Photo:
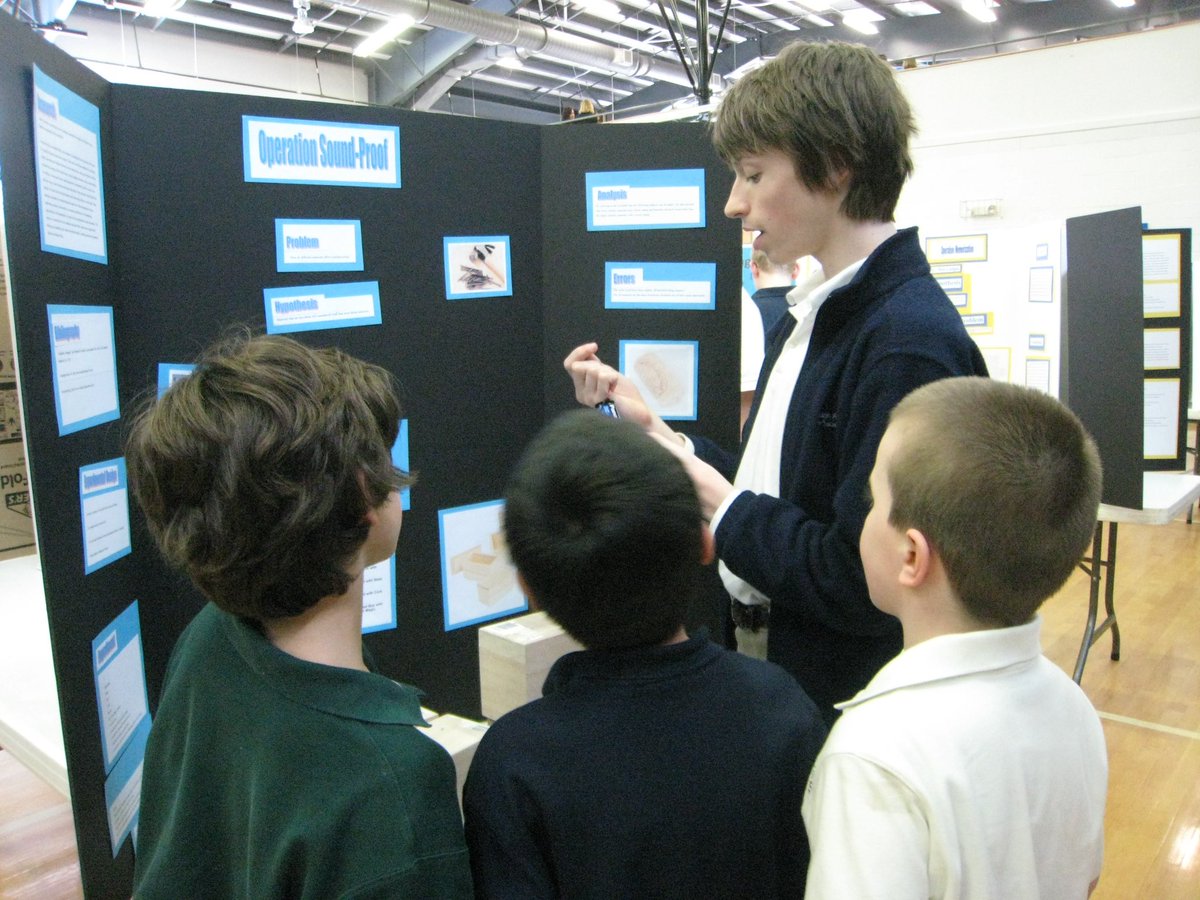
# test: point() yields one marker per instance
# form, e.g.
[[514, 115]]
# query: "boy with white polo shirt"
[[970, 766]]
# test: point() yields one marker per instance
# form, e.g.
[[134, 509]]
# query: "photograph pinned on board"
[[479, 581], [666, 373], [477, 267]]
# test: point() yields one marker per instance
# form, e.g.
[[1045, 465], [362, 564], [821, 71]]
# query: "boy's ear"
[[918, 559], [708, 545], [839, 180]]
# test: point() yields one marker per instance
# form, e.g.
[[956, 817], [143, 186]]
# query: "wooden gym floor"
[[1149, 702]]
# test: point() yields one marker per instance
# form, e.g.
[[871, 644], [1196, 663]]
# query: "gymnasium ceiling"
[[525, 60]]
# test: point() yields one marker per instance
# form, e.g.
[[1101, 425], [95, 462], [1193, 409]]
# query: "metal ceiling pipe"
[[467, 64], [534, 37]]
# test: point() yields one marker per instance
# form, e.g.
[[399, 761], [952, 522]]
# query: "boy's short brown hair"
[[830, 107], [256, 471], [1004, 482]]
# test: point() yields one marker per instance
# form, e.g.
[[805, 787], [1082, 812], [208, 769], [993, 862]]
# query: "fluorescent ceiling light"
[[983, 10], [604, 9], [916, 8], [818, 20], [862, 20], [1123, 4], [160, 8], [391, 30], [511, 62]]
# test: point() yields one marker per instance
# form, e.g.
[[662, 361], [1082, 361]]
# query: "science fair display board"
[[142, 222], [1101, 374]]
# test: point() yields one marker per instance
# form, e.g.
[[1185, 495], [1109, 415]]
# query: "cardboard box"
[[514, 658], [460, 737], [16, 512]]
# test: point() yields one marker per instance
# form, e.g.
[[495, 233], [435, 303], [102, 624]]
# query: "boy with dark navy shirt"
[[657, 764]]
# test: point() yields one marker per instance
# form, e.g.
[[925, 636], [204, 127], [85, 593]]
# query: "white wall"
[[1061, 132]]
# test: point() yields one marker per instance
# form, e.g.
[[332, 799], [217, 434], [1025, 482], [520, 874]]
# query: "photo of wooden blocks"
[[490, 570], [514, 658]]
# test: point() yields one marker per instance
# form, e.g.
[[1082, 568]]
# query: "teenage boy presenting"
[[278, 765], [970, 766], [818, 142], [656, 764]]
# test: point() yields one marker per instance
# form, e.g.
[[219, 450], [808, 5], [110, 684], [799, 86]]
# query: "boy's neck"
[[329, 632], [937, 615], [850, 241], [677, 638]]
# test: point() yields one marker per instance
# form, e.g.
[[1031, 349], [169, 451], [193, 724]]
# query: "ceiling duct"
[[531, 36]]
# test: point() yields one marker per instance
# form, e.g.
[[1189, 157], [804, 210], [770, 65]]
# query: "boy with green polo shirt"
[[279, 764]]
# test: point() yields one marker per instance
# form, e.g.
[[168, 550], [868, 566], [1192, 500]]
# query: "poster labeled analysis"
[[666, 372], [83, 363], [316, 307], [70, 179], [660, 285], [479, 582], [104, 506], [653, 198]]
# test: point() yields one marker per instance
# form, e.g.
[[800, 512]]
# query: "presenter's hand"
[[596, 381], [711, 486]]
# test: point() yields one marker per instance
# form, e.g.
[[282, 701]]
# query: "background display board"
[[193, 246]]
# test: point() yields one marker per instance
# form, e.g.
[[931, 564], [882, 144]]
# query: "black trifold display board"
[[192, 246], [1102, 344]]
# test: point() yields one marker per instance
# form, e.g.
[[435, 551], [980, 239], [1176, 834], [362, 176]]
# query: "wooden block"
[[514, 657], [459, 737]]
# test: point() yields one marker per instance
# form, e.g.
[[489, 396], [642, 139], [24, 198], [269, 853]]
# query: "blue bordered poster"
[[123, 790], [83, 364], [957, 248], [652, 198], [379, 596], [169, 373], [648, 285], [301, 151], [318, 245], [479, 583], [400, 461], [104, 509], [120, 677], [666, 372], [477, 266], [70, 175], [379, 580], [315, 307]]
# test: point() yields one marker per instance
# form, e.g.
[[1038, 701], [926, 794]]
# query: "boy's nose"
[[735, 206]]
